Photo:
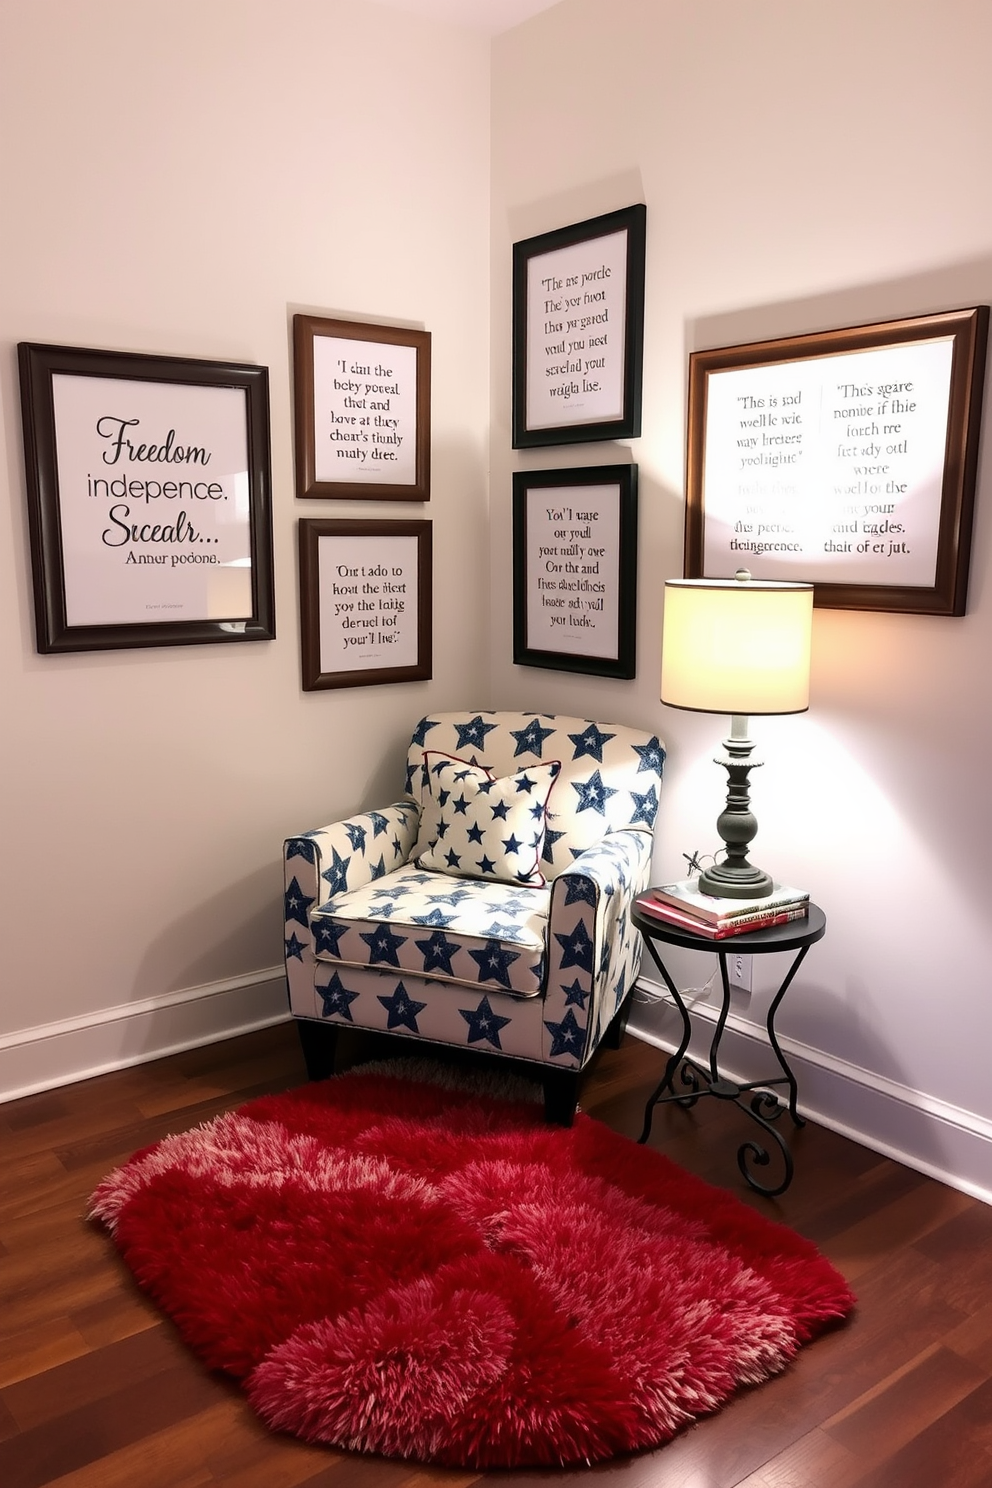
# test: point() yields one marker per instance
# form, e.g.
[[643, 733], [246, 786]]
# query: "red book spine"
[[675, 917]]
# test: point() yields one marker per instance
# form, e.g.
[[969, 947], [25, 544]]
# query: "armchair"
[[488, 907]]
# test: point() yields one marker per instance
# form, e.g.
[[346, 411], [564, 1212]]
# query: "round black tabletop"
[[788, 937]]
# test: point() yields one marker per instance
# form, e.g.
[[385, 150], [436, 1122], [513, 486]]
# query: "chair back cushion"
[[609, 780]]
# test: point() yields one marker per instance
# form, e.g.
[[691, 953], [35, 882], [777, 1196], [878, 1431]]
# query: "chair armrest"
[[593, 949], [345, 855], [349, 854]]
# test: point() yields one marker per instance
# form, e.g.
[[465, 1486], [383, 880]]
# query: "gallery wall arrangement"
[[578, 349]]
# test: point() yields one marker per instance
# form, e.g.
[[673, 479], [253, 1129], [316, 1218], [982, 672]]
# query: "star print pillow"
[[436, 792], [490, 828]]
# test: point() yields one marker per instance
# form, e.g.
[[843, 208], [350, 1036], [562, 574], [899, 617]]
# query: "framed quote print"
[[365, 602], [578, 331], [846, 458], [363, 410], [149, 499], [575, 569]]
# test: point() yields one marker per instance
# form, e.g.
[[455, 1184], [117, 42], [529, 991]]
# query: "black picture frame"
[[124, 519], [580, 583], [367, 387], [874, 502], [374, 604], [566, 389]]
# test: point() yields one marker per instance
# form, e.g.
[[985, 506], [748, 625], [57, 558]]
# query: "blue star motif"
[[576, 948], [575, 995], [473, 735], [452, 859], [442, 827], [484, 1024], [356, 836], [380, 823], [326, 936], [474, 833], [295, 947], [486, 865], [397, 847], [297, 904], [566, 1037], [512, 843], [437, 952], [411, 770], [336, 999], [301, 847], [420, 732], [461, 805], [336, 876], [378, 870], [579, 889], [524, 783], [500, 810], [494, 963], [383, 945], [590, 742], [645, 806], [434, 918], [495, 929], [593, 793], [652, 755], [402, 1009], [531, 739], [454, 897], [550, 838]]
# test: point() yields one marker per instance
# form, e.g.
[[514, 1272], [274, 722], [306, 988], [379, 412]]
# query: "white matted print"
[[574, 556], [149, 498], [153, 499], [365, 594], [578, 323], [362, 410], [844, 458]]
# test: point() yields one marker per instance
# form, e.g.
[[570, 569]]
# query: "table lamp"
[[739, 646]]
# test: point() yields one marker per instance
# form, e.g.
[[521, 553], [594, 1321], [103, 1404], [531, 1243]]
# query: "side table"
[[755, 1098]]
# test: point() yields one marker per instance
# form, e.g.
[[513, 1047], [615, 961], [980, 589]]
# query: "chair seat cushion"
[[473, 933]]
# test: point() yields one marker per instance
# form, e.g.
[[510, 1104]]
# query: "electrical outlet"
[[739, 971]]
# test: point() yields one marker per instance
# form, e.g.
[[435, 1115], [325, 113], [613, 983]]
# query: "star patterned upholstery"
[[529, 952]]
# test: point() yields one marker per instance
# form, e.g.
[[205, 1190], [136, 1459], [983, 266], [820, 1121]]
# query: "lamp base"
[[735, 877], [731, 881]]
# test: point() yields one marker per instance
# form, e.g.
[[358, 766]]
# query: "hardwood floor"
[[96, 1391]]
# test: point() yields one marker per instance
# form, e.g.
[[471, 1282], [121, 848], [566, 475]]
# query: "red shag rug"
[[393, 1263]]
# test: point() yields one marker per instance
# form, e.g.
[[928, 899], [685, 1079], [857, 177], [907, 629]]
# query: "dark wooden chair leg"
[[318, 1041], [561, 1092], [613, 1037]]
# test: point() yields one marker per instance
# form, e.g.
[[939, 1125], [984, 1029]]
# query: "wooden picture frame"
[[149, 499], [575, 569], [362, 410], [365, 602], [578, 331], [847, 458]]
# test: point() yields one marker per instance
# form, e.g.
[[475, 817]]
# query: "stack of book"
[[682, 904]]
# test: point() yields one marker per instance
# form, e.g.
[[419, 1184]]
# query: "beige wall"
[[177, 177], [805, 166]]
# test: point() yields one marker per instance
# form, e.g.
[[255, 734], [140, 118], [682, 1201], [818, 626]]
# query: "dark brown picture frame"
[[967, 330], [527, 354], [46, 461], [316, 592], [619, 568], [358, 438]]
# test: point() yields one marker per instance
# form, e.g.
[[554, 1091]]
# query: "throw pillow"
[[435, 792], [490, 828]]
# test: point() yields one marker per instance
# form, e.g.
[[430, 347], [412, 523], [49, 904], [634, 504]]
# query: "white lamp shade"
[[733, 647]]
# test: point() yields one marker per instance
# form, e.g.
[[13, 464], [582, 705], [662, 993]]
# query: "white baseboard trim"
[[929, 1135], [113, 1038]]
